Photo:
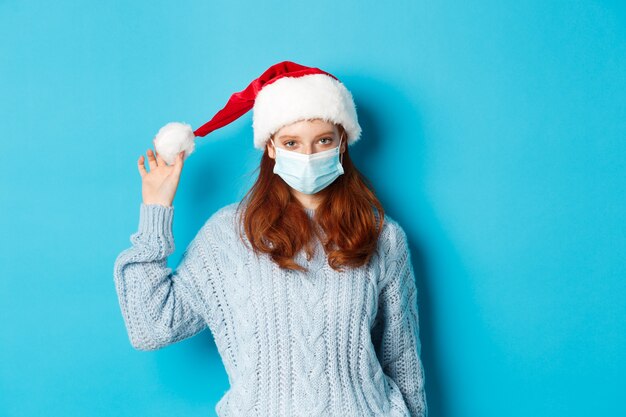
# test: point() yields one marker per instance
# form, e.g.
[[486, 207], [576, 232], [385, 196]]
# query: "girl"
[[306, 285]]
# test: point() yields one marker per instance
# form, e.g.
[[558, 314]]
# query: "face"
[[307, 137]]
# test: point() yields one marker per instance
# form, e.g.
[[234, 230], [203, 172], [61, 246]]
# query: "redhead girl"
[[306, 284]]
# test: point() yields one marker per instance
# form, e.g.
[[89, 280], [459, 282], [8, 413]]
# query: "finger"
[[151, 160], [160, 161], [180, 161], [141, 166]]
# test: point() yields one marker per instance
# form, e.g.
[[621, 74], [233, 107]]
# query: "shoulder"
[[394, 251], [223, 219], [225, 213], [223, 223], [392, 237]]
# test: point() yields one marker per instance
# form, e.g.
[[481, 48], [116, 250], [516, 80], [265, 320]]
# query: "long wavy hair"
[[348, 220]]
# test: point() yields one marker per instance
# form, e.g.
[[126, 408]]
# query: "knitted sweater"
[[316, 343]]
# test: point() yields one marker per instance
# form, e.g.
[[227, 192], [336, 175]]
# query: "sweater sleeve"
[[396, 330], [159, 306]]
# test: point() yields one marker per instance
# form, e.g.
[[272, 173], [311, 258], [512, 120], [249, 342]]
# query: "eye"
[[329, 140], [287, 144]]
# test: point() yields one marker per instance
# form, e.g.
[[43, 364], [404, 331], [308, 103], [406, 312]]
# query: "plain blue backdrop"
[[493, 131]]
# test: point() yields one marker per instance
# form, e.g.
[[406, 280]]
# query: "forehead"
[[306, 128]]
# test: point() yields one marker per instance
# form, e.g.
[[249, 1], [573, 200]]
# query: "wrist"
[[161, 203]]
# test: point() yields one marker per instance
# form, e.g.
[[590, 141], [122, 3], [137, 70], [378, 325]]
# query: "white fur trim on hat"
[[290, 99]]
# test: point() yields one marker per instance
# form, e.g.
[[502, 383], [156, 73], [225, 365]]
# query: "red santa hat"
[[285, 93]]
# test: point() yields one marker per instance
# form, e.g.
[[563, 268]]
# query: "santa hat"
[[285, 93]]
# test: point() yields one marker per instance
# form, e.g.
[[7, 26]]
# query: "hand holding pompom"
[[159, 185]]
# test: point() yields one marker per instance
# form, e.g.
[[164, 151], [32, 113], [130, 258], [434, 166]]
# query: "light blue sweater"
[[316, 343]]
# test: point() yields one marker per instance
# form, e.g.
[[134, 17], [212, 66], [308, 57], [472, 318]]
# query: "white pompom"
[[173, 138]]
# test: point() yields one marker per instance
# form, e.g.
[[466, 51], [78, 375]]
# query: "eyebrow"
[[296, 136]]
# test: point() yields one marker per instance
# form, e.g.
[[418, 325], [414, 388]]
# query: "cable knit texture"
[[315, 343]]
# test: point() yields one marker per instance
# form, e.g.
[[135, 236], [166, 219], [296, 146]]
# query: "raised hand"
[[159, 185]]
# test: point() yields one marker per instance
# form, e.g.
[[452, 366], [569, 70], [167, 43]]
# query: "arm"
[[396, 331], [159, 307]]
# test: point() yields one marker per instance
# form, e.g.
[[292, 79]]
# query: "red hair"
[[275, 222]]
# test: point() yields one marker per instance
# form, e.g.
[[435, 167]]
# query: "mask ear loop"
[[273, 146], [340, 153]]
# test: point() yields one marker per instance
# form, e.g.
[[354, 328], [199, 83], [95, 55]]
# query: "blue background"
[[494, 132]]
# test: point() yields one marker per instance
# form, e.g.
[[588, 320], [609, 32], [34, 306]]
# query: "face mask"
[[308, 173]]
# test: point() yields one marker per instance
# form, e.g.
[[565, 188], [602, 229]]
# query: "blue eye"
[[287, 143], [329, 140]]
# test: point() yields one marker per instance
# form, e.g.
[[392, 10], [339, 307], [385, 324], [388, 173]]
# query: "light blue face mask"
[[308, 173]]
